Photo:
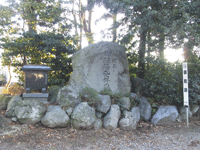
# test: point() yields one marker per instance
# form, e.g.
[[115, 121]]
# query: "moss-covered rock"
[[30, 111], [4, 101], [83, 116], [11, 106]]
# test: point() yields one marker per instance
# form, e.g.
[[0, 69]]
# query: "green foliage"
[[114, 96], [194, 79], [163, 82], [90, 96], [106, 91], [45, 48], [47, 40], [2, 79]]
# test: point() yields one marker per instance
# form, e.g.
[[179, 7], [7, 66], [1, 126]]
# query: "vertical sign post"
[[185, 89]]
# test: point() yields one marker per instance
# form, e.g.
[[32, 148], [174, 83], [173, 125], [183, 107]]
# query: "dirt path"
[[146, 136]]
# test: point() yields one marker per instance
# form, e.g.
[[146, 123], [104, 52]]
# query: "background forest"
[[50, 31]]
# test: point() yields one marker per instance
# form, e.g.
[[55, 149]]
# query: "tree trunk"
[[75, 20], [161, 45], [148, 50], [32, 17], [87, 27], [114, 27], [188, 47], [81, 25], [142, 49], [9, 79]]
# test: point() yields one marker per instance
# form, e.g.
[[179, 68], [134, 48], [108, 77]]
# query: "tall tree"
[[51, 46]]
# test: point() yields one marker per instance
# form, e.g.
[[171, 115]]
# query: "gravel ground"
[[145, 137]]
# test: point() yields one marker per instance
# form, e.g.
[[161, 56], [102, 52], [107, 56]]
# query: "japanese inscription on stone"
[[109, 65]]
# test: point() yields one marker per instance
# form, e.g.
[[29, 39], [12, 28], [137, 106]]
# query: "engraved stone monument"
[[98, 66], [36, 77]]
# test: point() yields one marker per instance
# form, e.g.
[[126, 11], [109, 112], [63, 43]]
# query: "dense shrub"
[[90, 96], [164, 84], [14, 89]]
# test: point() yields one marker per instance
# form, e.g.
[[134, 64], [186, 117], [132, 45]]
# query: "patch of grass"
[[90, 96], [114, 96]]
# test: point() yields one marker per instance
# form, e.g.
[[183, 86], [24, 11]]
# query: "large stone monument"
[[99, 66]]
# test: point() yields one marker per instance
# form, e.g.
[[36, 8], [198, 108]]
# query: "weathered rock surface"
[[98, 124], [68, 96], [133, 96], [4, 100], [128, 121], [112, 118], [182, 112], [99, 114], [69, 111], [98, 66], [136, 113], [4, 121], [165, 115], [11, 106], [145, 109], [30, 111], [124, 103], [83, 116], [104, 103], [55, 117], [194, 109], [6, 128]]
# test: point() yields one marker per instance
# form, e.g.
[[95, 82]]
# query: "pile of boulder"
[[104, 114], [102, 67]]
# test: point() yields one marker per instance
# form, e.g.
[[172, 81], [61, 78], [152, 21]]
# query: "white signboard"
[[185, 85]]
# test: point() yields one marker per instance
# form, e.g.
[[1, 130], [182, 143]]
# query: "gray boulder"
[[98, 124], [128, 121], [4, 121], [30, 111], [124, 103], [136, 113], [165, 115], [68, 96], [194, 109], [4, 100], [14, 119], [112, 118], [104, 103], [69, 111], [99, 114], [55, 117], [182, 112], [133, 96], [83, 116], [11, 106], [145, 109], [99, 66]]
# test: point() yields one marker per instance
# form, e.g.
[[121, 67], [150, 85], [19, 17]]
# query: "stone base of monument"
[[40, 96]]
